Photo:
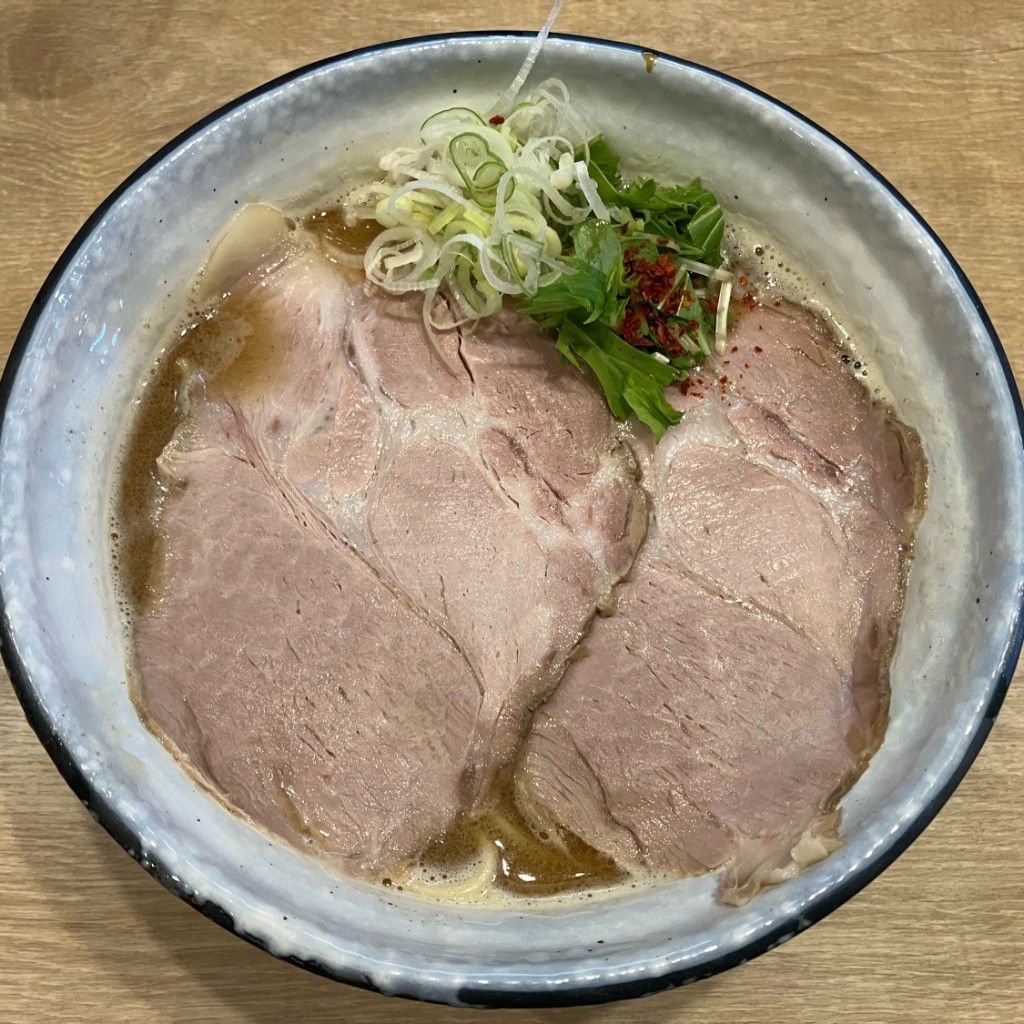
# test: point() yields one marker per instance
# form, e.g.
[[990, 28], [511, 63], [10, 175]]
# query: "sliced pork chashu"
[[262, 662], [736, 692], [403, 527], [503, 503]]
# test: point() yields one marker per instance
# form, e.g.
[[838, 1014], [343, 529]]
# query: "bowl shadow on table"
[[151, 946]]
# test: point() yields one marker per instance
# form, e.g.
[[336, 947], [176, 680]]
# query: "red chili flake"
[[743, 282], [746, 366], [497, 119], [735, 348], [634, 329], [725, 362], [684, 386], [723, 380], [654, 315], [757, 348], [778, 302], [654, 280], [663, 333], [749, 301], [662, 241]]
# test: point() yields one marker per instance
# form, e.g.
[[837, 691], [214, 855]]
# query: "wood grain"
[[929, 91]]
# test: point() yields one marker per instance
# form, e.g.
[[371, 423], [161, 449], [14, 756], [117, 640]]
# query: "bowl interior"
[[121, 287]]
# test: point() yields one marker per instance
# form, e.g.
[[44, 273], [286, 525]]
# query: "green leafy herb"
[[639, 301], [633, 382], [688, 215], [595, 284]]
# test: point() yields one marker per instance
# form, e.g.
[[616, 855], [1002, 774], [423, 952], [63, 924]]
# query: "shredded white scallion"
[[475, 207], [722, 316], [704, 269], [589, 189], [509, 96]]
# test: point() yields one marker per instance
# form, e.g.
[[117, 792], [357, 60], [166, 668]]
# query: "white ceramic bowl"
[[120, 285]]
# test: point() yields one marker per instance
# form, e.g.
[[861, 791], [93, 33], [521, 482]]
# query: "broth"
[[497, 855]]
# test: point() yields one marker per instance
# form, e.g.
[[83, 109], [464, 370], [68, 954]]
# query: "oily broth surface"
[[222, 343], [204, 344], [497, 858]]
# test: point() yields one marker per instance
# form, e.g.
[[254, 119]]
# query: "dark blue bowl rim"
[[102, 810]]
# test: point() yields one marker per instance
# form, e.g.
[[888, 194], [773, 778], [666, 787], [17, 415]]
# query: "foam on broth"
[[750, 252]]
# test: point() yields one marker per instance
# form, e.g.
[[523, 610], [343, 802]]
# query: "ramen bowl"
[[107, 307]]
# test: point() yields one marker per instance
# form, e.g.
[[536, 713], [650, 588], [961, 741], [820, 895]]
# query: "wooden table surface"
[[929, 91]]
